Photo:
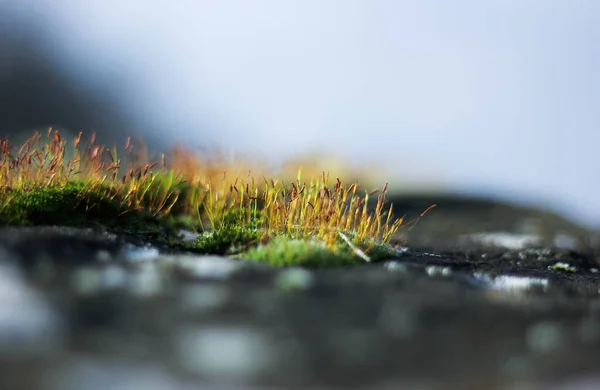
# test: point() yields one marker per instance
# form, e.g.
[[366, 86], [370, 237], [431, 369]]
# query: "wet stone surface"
[[491, 308]]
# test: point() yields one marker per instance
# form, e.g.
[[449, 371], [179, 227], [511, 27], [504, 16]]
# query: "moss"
[[281, 222], [563, 267], [65, 205], [54, 205], [282, 251], [227, 240], [250, 219], [382, 252], [239, 232]]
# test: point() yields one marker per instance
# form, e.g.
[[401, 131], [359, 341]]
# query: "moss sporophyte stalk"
[[316, 221]]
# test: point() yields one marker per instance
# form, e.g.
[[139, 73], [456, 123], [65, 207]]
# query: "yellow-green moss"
[[296, 222]]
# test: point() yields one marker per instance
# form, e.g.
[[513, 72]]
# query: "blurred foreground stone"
[[495, 304]]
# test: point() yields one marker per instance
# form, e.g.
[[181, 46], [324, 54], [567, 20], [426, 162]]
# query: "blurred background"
[[496, 98]]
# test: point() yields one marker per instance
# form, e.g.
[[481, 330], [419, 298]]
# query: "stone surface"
[[462, 306]]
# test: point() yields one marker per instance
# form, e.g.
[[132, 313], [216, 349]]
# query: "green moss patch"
[[282, 251], [56, 206]]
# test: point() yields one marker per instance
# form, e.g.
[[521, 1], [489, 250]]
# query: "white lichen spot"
[[207, 267], [505, 239], [294, 279], [435, 270], [232, 354], [145, 281], [113, 277], [510, 283], [137, 254], [395, 266]]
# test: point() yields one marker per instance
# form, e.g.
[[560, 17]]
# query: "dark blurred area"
[[36, 92]]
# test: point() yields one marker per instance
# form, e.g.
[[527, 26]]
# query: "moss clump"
[[71, 205], [563, 267], [237, 231], [300, 222], [56, 205], [226, 241], [282, 251]]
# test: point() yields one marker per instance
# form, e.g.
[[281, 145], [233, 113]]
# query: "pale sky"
[[494, 96]]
